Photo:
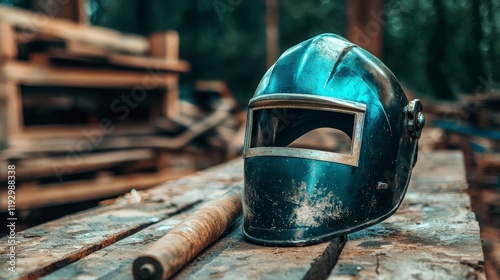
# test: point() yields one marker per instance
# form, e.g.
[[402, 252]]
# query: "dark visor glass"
[[302, 128]]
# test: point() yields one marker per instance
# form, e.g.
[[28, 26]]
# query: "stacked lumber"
[[472, 125], [485, 117], [87, 112]]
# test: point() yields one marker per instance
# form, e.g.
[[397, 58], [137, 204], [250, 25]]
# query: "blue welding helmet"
[[299, 194]]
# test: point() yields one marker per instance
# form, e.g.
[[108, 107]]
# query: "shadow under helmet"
[[299, 195]]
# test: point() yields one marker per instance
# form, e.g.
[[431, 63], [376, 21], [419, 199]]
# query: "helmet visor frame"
[[311, 103]]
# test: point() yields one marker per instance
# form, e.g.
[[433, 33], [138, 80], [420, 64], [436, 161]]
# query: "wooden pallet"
[[433, 235], [60, 124], [54, 180], [62, 54]]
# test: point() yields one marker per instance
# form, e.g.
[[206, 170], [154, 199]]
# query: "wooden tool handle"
[[174, 250]]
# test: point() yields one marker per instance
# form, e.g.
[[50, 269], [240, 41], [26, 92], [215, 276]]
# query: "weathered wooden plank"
[[59, 28], [230, 258], [434, 235], [129, 61], [44, 143], [165, 45], [36, 167], [45, 248], [35, 196], [31, 74], [115, 261], [234, 258], [70, 132], [407, 246]]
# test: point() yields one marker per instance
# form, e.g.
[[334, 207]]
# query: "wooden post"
[[73, 10], [11, 118], [166, 45], [8, 48], [4, 130], [272, 32], [365, 25], [82, 15], [10, 108]]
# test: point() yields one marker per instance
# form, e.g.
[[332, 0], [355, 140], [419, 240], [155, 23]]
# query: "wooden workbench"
[[434, 235]]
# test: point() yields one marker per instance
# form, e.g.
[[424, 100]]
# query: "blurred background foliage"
[[437, 48]]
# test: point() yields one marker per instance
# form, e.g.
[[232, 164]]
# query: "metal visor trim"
[[307, 102]]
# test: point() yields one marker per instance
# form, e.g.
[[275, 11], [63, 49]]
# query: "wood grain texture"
[[48, 247], [45, 248], [434, 235], [115, 261], [234, 258]]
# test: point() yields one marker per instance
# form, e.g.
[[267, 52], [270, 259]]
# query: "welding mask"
[[330, 144]]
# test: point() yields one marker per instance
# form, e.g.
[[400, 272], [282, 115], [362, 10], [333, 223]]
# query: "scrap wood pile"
[[96, 113], [473, 126]]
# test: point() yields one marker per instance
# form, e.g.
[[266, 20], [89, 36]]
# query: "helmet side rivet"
[[420, 120], [415, 118]]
